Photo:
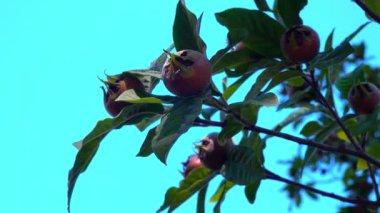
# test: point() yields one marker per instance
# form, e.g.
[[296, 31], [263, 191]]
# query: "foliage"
[[334, 137]]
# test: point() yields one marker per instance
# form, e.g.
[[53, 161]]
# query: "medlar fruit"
[[115, 89], [212, 153], [300, 44], [364, 97], [186, 73]]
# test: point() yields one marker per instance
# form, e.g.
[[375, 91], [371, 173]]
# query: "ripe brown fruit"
[[300, 44], [364, 97], [192, 163], [212, 153], [186, 73], [115, 89]]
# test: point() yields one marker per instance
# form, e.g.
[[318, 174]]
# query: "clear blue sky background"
[[51, 53]]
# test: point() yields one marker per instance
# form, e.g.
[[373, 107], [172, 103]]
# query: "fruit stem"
[[324, 102]]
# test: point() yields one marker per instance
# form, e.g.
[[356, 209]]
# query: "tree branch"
[[340, 149], [324, 102], [364, 7], [273, 176]]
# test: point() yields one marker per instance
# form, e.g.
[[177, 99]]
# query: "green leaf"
[[361, 164], [201, 200], [320, 137], [264, 33], [264, 99], [254, 142], [231, 128], [293, 117], [194, 182], [251, 67], [146, 147], [262, 5], [242, 166], [224, 187], [147, 121], [131, 96], [282, 77], [173, 124], [159, 62], [311, 128], [235, 59], [233, 87], [185, 30], [374, 6], [251, 190], [249, 112], [344, 83], [365, 123], [357, 31], [289, 11], [90, 144], [337, 55], [263, 79], [329, 41]]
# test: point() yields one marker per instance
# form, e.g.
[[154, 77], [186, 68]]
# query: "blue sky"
[[51, 53]]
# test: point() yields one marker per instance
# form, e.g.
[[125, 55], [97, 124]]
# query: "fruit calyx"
[[177, 65]]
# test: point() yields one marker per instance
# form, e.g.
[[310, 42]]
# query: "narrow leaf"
[[289, 11], [233, 87], [262, 5], [251, 190], [242, 166], [90, 144], [201, 200], [185, 30], [173, 124], [146, 147], [337, 55], [224, 187], [264, 33], [195, 181]]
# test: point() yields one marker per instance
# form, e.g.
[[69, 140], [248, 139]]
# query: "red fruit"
[[212, 153], [364, 97], [300, 44], [186, 73], [192, 163], [114, 90]]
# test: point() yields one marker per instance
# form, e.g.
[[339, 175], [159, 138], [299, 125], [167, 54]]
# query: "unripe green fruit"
[[187, 73], [364, 97], [300, 44]]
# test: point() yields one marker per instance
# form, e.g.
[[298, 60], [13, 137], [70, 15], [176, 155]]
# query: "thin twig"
[[273, 176], [364, 140], [340, 149], [374, 182], [364, 7], [332, 110]]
